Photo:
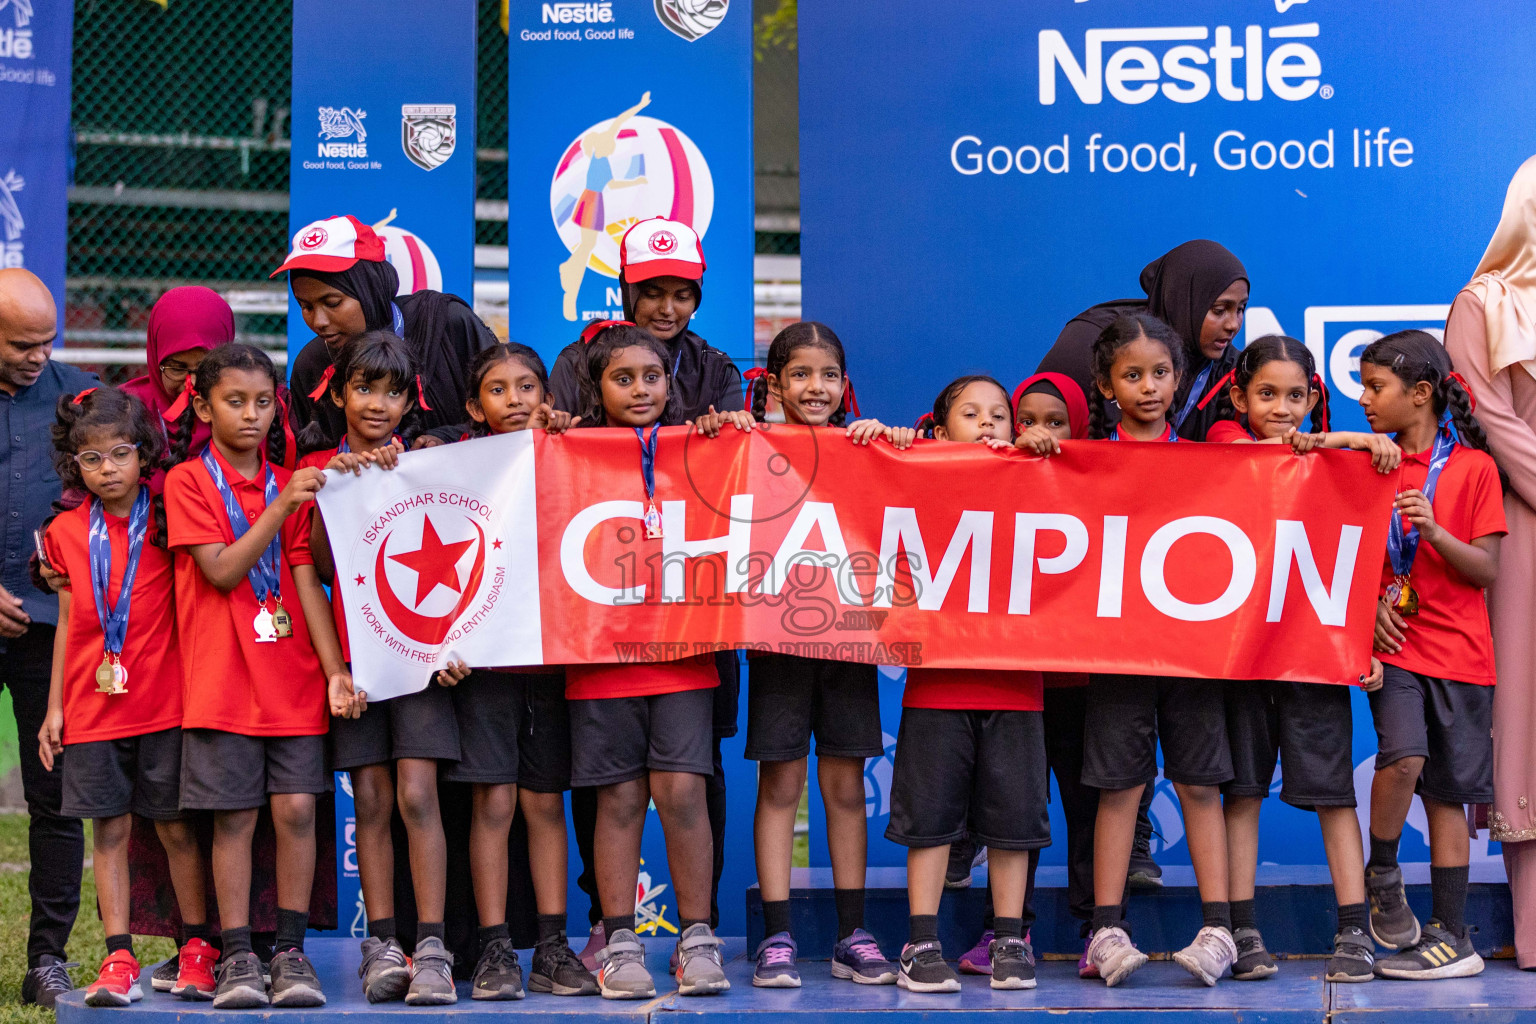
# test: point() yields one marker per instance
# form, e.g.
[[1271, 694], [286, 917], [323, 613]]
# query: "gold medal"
[[106, 677], [1403, 598], [282, 622]]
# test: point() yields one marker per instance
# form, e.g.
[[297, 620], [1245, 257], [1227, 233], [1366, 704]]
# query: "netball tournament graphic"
[[618, 172]]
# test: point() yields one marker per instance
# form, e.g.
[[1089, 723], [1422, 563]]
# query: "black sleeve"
[[1072, 354], [726, 393], [308, 366], [563, 391], [448, 433]]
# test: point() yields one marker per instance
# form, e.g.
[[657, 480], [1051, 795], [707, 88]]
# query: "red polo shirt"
[[234, 683], [150, 654], [1450, 637], [591, 682], [964, 689]]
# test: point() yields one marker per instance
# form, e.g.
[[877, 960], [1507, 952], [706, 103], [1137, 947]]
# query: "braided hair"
[[234, 356], [372, 355], [1259, 353], [489, 358], [951, 394], [601, 348], [1127, 328], [804, 334], [113, 411], [1415, 356]]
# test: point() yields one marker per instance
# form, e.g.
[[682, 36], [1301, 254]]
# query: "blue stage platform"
[[1161, 991]]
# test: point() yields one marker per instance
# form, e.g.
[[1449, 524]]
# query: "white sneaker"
[[1209, 956], [1113, 953]]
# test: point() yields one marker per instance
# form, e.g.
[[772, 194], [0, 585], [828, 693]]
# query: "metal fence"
[[181, 115]]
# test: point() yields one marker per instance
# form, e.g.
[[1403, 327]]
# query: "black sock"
[[202, 931], [1243, 915], [236, 940], [775, 916], [1217, 915], [1106, 917], [688, 922], [1354, 915], [382, 928], [922, 928], [613, 925], [1448, 898], [291, 926], [491, 932], [551, 926], [850, 911], [1008, 927], [1383, 854], [117, 942], [429, 929]]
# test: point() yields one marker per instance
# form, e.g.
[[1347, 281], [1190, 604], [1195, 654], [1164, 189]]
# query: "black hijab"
[[1183, 284]]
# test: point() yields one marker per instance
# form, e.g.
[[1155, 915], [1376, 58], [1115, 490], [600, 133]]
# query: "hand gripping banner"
[[1217, 561]]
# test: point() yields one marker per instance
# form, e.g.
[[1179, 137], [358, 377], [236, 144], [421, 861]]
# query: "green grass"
[[801, 858], [87, 945]]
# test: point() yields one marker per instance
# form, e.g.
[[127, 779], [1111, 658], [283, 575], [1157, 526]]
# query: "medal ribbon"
[[343, 446], [648, 458], [264, 575], [1196, 390], [114, 618], [1403, 543]]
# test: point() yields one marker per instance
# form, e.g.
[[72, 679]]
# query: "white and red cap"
[[333, 244], [660, 248]]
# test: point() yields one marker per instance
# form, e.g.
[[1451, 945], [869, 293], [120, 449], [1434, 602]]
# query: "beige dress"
[[1506, 408]]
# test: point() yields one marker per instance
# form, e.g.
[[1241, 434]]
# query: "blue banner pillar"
[[35, 37], [384, 130]]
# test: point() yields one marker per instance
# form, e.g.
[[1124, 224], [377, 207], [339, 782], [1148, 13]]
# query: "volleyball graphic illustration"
[[691, 18], [618, 172], [413, 260]]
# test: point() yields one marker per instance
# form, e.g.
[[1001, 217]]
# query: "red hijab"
[[1067, 390]]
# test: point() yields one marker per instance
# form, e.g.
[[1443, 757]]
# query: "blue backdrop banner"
[[621, 110], [1005, 165], [384, 129], [35, 40]]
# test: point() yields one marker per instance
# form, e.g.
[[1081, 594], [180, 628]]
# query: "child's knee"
[[1404, 769], [494, 805], [418, 804], [623, 805], [176, 835], [680, 796], [782, 784], [543, 809]]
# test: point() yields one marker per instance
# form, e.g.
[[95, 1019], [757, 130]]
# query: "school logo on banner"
[[617, 172], [692, 19], [11, 222], [427, 133]]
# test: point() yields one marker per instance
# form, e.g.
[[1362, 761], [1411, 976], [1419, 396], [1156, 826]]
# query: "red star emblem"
[[495, 545], [434, 563], [359, 579]]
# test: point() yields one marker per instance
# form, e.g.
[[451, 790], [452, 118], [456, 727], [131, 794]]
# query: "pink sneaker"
[[978, 959], [596, 940], [1086, 968]]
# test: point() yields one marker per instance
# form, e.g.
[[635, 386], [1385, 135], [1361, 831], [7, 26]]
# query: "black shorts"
[[1128, 714], [137, 774], [227, 771], [1447, 723], [513, 728], [790, 698], [980, 773], [1308, 725], [619, 739], [420, 725]]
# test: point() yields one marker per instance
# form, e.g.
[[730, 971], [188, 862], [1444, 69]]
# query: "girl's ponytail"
[[1098, 420], [277, 432], [757, 392], [1320, 410], [181, 432], [924, 425]]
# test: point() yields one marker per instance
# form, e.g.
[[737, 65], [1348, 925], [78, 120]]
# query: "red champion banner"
[[1220, 561]]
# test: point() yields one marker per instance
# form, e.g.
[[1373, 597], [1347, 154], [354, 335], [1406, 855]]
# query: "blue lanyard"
[[343, 446], [396, 320], [1114, 434], [114, 618], [1196, 391], [1403, 545], [648, 458], [264, 575]]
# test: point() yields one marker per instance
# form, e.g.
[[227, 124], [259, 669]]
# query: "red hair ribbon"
[[421, 394], [325, 382], [924, 424], [81, 395], [596, 327], [1459, 379], [754, 373], [1322, 392], [850, 400], [188, 392], [1211, 394]]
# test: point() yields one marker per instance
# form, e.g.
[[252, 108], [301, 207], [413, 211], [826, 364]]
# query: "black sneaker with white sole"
[[1437, 954], [240, 984], [164, 978], [294, 981], [1013, 963], [556, 969], [922, 969], [1253, 960], [1392, 922], [1354, 957]]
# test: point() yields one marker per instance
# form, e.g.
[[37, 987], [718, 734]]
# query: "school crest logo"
[[314, 238], [437, 570], [662, 243], [691, 19], [427, 133]]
